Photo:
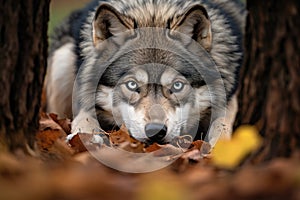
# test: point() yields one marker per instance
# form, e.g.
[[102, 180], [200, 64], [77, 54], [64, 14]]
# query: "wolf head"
[[159, 77], [154, 101]]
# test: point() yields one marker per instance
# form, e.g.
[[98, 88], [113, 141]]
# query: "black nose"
[[156, 131]]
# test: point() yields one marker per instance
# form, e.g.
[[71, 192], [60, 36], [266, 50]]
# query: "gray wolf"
[[156, 54]]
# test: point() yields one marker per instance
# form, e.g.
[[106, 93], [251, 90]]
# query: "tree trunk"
[[23, 54], [269, 95]]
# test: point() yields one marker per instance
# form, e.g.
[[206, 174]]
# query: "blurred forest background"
[[59, 9]]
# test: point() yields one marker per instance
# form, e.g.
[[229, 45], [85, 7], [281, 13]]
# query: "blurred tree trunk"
[[23, 54], [269, 95]]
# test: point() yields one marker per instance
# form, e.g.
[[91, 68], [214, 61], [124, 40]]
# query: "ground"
[[57, 169]]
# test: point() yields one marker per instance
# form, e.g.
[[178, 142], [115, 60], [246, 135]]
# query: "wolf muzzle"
[[155, 131]]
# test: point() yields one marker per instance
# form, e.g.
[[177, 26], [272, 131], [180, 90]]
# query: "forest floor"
[[61, 170]]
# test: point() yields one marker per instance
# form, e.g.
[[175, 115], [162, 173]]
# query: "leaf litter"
[[66, 170]]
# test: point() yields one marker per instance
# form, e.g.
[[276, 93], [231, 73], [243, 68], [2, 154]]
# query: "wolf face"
[[162, 68], [155, 102]]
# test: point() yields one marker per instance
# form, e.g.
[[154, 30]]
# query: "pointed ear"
[[196, 24], [109, 22]]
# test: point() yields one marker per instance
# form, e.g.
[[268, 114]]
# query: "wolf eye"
[[132, 85], [177, 86]]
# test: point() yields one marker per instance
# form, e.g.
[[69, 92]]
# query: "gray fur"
[[225, 24], [226, 51]]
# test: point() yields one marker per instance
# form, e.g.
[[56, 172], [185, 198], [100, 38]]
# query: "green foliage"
[[60, 9]]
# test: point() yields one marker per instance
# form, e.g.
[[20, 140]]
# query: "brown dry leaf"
[[47, 122], [196, 145], [50, 139], [198, 152], [64, 123], [59, 151], [152, 147], [77, 144], [46, 138], [118, 137], [123, 140], [49, 132], [200, 145]]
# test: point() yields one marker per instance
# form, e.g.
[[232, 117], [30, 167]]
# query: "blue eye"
[[132, 85], [177, 86]]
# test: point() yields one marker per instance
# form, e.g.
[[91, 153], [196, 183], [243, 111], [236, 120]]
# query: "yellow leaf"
[[249, 137], [162, 190], [229, 153]]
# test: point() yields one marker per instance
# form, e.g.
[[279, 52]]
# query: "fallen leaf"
[[46, 138], [123, 140], [118, 137], [77, 144], [64, 123], [50, 139], [47, 122], [49, 132], [202, 146], [229, 153], [152, 147], [196, 145]]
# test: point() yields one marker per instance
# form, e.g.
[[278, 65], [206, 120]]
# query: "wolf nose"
[[156, 131]]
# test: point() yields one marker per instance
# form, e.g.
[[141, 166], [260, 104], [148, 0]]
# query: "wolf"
[[164, 68]]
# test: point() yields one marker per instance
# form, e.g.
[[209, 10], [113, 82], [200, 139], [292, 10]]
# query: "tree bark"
[[23, 54], [269, 93]]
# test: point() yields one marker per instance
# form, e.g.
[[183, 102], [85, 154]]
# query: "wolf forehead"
[[152, 13], [151, 66]]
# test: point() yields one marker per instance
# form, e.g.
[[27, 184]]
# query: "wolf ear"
[[196, 24], [109, 22]]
